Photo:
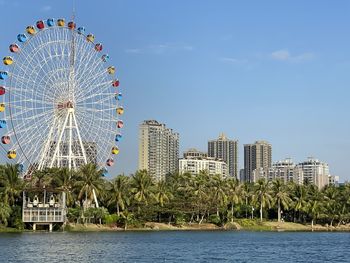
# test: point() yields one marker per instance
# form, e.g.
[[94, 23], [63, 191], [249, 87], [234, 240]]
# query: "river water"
[[175, 246]]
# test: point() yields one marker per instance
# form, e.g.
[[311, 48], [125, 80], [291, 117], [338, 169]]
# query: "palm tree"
[[314, 205], [5, 212], [281, 196], [89, 182], [299, 197], [11, 185], [43, 178], [218, 185], [246, 193], [141, 187], [162, 195], [118, 192], [234, 193], [127, 218], [64, 179], [262, 195], [331, 202], [198, 188]]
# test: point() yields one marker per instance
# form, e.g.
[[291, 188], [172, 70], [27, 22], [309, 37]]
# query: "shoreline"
[[253, 226]]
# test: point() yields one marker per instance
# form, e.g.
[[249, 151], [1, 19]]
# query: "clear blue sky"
[[272, 70]]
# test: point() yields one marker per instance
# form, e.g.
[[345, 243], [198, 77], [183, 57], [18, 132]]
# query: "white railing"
[[44, 215]]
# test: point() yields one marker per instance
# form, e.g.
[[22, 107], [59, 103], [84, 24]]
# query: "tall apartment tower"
[[226, 150], [256, 156], [158, 149]]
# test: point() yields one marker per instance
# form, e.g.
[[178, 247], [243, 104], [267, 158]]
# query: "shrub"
[[180, 219], [111, 219], [215, 219]]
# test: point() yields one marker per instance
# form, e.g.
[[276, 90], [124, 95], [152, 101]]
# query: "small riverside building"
[[44, 207]]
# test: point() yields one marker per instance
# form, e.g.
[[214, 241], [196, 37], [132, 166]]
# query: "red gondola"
[[115, 83], [40, 24], [2, 90], [110, 162], [120, 124], [71, 25], [5, 139], [98, 47], [14, 48]]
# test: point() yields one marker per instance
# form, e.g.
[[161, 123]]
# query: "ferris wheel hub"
[[65, 105]]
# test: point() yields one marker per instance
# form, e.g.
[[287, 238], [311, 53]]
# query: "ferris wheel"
[[61, 103]]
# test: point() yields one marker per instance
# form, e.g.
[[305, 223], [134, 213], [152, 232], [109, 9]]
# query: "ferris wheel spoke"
[[86, 83], [90, 91], [85, 56], [31, 135], [44, 104], [89, 99], [99, 100], [17, 114], [106, 114]]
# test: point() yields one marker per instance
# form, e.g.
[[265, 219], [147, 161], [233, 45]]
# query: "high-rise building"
[[315, 172], [284, 170], [158, 149], [256, 156], [226, 150]]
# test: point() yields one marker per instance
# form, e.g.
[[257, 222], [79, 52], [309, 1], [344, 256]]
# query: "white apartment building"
[[315, 172], [284, 170], [333, 180], [195, 161]]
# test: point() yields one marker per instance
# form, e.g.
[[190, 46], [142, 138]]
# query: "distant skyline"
[[255, 70]]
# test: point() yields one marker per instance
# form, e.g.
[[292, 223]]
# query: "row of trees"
[[178, 199]]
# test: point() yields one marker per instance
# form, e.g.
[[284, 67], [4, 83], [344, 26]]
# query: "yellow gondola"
[[111, 70], [90, 37], [120, 110], [60, 22], [115, 150], [30, 30], [2, 107], [11, 154], [8, 60]]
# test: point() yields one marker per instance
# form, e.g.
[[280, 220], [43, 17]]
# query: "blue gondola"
[[118, 96], [118, 137], [3, 75], [50, 22], [81, 30], [105, 57], [2, 124], [22, 38]]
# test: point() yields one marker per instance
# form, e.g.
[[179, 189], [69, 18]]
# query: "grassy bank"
[[10, 230], [238, 225]]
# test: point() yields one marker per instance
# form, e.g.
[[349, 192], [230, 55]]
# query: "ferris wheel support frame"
[[69, 124]]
